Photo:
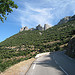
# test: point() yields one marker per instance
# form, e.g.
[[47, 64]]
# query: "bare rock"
[[24, 29], [39, 27], [66, 19], [46, 26]]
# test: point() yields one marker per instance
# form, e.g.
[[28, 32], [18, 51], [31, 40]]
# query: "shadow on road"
[[47, 61]]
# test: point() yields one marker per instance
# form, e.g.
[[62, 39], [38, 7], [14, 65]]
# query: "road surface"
[[56, 63]]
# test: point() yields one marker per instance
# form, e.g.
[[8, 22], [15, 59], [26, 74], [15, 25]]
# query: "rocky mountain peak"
[[46, 26], [66, 19], [39, 27], [24, 28]]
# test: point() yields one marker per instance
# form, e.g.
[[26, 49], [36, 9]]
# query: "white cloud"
[[36, 12], [30, 15]]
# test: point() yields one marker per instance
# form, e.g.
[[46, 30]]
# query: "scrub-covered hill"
[[27, 44]]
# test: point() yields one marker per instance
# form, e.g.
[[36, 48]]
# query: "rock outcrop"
[[66, 19], [46, 26], [71, 47], [24, 28], [39, 27]]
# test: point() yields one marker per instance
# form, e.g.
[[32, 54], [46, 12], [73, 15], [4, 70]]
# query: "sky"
[[30, 13]]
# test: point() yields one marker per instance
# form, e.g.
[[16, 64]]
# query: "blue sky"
[[33, 12]]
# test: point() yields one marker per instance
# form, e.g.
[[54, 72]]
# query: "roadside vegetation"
[[27, 44]]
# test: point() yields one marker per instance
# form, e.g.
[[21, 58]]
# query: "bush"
[[57, 48], [1, 60]]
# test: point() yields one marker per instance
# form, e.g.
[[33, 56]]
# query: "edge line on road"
[[64, 70], [34, 65], [69, 57]]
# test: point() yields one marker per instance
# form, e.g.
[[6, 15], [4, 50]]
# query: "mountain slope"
[[27, 44], [30, 37]]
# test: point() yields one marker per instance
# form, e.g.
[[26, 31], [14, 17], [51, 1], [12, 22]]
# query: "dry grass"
[[19, 69], [51, 42], [61, 46]]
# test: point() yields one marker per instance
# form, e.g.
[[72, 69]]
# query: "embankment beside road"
[[20, 68]]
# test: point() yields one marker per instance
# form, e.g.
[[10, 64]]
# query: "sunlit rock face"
[[24, 28], [39, 27], [46, 26], [66, 19]]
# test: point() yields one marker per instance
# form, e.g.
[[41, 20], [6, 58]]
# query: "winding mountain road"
[[56, 63]]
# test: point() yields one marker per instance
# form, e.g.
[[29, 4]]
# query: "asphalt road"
[[56, 63]]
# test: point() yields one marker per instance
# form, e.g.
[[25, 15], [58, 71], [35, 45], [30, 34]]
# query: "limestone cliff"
[[46, 26], [66, 19], [39, 27], [24, 28]]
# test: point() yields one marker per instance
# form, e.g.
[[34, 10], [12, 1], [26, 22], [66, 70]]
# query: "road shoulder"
[[20, 68]]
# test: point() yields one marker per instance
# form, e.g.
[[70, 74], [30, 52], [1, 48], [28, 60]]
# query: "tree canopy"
[[6, 8]]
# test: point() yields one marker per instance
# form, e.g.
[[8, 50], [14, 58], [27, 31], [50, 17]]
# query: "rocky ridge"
[[66, 19], [24, 28], [39, 27]]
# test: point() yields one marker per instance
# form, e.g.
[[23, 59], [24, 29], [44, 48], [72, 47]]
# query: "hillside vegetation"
[[27, 44]]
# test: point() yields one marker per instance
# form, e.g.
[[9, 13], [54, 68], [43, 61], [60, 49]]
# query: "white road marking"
[[34, 65], [69, 57], [56, 62], [64, 70]]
